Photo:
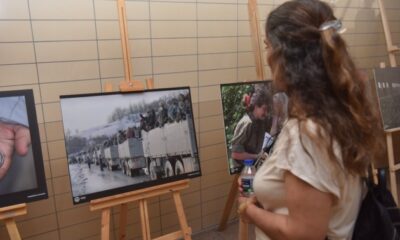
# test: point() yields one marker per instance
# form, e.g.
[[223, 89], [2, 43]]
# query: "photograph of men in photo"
[[253, 116], [387, 82], [119, 142]]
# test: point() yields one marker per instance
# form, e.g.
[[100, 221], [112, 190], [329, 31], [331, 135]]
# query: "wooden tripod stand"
[[121, 200], [7, 214], [392, 49], [256, 44]]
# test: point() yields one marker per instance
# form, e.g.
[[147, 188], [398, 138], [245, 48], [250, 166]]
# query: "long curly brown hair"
[[316, 71]]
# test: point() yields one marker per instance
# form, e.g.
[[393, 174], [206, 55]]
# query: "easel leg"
[[392, 172], [243, 230], [105, 224], [149, 83], [181, 216], [229, 204], [144, 217], [12, 229], [122, 221]]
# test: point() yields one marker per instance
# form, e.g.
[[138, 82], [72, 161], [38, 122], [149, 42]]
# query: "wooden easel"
[[393, 167], [122, 200], [129, 84], [256, 38], [392, 49], [256, 44], [8, 214]]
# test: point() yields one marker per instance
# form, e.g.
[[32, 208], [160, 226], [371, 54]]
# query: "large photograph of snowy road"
[[119, 142]]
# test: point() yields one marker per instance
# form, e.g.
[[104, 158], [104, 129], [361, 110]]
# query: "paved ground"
[[230, 233]]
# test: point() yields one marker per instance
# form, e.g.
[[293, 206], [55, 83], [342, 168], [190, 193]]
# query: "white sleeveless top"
[[319, 172]]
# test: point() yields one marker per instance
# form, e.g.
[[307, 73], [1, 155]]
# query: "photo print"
[[387, 82], [22, 176], [253, 117], [119, 142]]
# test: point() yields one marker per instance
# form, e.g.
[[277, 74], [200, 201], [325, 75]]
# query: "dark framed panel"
[[244, 131], [22, 177], [124, 141], [387, 82]]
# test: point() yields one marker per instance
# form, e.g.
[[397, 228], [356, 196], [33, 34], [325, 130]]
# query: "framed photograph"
[[119, 142], [387, 81], [253, 116], [22, 177]]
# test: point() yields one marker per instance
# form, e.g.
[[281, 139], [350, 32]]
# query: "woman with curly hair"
[[311, 185]]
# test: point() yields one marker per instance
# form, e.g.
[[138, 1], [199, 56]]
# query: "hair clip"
[[335, 24]]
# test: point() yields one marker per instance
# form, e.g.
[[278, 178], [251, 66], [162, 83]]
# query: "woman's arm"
[[309, 213]]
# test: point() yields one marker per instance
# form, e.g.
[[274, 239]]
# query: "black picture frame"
[[123, 141], [235, 99], [25, 179], [387, 84]]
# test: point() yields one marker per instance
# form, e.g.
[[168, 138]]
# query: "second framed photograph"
[[254, 114], [119, 142]]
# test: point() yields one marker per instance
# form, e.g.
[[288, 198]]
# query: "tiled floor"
[[230, 233]]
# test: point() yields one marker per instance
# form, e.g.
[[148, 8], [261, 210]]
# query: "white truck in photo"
[[162, 151]]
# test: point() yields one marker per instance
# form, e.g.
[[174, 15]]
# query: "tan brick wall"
[[73, 46]]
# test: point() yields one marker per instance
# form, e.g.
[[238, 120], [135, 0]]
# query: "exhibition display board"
[[159, 145], [383, 89], [258, 57], [22, 177]]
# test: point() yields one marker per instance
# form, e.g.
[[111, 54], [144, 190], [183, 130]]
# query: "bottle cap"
[[248, 162]]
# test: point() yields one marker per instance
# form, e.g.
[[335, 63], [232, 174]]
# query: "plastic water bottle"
[[247, 177]]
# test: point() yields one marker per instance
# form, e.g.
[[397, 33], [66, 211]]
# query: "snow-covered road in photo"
[[85, 181]]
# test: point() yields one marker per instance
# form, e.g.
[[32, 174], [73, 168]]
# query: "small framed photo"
[[254, 114], [22, 177]]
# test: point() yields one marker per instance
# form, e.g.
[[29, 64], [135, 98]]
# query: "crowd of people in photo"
[[172, 110], [175, 109]]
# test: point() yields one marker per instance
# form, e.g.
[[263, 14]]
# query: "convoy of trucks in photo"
[[159, 152]]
